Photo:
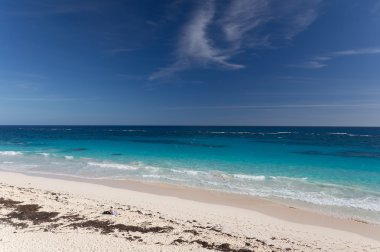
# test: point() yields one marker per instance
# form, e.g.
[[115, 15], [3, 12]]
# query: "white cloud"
[[312, 64], [302, 19], [321, 61], [244, 15], [362, 51], [281, 106], [243, 23], [195, 47]]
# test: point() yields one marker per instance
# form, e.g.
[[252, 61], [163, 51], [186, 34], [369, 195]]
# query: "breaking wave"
[[249, 177], [300, 189], [11, 153], [113, 165]]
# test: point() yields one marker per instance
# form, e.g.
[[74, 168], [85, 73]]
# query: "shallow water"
[[331, 169]]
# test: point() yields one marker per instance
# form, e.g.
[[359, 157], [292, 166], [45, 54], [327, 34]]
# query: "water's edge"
[[267, 207]]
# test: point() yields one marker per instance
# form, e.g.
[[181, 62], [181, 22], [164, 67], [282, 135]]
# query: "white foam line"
[[113, 165], [11, 153], [249, 177]]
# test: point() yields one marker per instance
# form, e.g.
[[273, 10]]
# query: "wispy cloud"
[[19, 84], [22, 81], [39, 99], [282, 106], [310, 64], [322, 61], [362, 51], [376, 8], [216, 32], [243, 16], [195, 48], [52, 99]]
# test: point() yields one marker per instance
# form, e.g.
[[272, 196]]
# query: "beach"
[[235, 126], [61, 214]]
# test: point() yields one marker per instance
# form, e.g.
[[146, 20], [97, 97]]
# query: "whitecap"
[[10, 153], [151, 168], [188, 172], [249, 177], [113, 165], [287, 178], [278, 133], [354, 135], [231, 132], [219, 174], [324, 199], [243, 132], [131, 130], [59, 129]]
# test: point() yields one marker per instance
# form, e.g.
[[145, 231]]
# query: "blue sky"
[[242, 62]]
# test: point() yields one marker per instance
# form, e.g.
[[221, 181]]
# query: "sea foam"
[[113, 165], [11, 153], [249, 177]]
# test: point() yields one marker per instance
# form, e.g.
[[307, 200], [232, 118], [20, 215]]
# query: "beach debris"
[[9, 202], [225, 247], [71, 217], [141, 223], [30, 212], [111, 211], [192, 231], [108, 227]]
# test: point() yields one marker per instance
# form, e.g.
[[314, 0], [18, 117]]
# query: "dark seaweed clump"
[[107, 227], [9, 202], [30, 212]]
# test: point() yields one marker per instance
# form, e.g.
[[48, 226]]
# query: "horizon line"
[[179, 125]]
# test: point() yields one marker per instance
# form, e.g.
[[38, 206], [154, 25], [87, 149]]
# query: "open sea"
[[333, 170]]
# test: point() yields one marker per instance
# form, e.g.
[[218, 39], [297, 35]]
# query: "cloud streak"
[[283, 106], [322, 61], [195, 48], [216, 31]]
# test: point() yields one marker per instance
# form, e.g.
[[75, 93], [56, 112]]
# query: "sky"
[[190, 62]]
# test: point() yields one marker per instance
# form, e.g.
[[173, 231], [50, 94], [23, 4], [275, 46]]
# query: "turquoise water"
[[334, 170]]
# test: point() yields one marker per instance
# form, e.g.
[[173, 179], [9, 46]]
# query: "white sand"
[[213, 223]]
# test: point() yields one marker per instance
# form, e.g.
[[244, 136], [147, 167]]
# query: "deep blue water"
[[333, 169]]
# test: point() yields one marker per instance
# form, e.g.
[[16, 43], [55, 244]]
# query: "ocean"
[[335, 170]]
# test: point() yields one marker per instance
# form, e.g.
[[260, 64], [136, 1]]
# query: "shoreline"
[[49, 214], [267, 207]]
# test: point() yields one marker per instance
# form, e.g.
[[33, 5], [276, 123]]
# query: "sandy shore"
[[57, 214]]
